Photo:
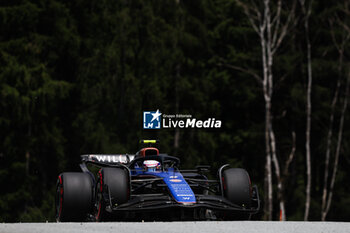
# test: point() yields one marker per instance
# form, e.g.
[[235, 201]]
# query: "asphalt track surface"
[[183, 227]]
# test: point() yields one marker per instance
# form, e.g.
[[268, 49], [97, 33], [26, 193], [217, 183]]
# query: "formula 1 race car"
[[149, 186]]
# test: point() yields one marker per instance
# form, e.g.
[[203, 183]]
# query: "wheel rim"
[[59, 198], [98, 203]]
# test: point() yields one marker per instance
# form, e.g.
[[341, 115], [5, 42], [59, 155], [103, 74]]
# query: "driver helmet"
[[151, 165]]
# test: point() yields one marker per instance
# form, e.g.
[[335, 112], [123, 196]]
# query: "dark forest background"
[[76, 76]]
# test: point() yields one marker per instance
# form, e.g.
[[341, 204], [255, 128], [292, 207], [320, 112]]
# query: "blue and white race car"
[[149, 186]]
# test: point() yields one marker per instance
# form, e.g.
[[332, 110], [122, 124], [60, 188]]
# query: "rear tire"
[[74, 197], [114, 183], [237, 189]]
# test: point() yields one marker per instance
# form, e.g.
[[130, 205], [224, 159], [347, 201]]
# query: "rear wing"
[[107, 159]]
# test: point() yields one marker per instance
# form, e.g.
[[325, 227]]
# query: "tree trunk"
[[271, 34], [308, 153], [271, 135], [177, 131], [307, 13], [268, 170], [278, 176], [266, 91], [329, 142], [337, 153], [340, 47]]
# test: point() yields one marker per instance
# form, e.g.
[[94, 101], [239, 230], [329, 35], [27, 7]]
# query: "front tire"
[[113, 188], [73, 197], [237, 189]]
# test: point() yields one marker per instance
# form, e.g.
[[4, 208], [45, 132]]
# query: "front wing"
[[151, 202]]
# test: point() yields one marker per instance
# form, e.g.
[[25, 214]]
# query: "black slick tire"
[[113, 188], [74, 196], [237, 189]]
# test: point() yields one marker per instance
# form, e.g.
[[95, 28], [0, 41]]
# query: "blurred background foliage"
[[76, 76]]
